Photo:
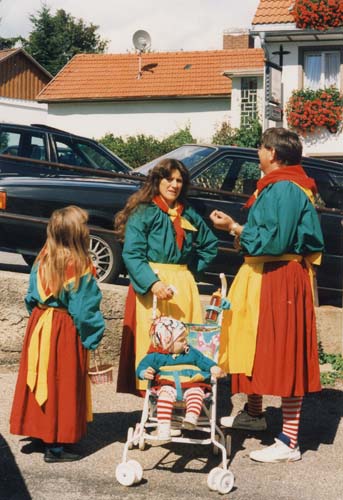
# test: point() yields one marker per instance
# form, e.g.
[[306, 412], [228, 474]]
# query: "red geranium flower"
[[318, 15], [308, 109]]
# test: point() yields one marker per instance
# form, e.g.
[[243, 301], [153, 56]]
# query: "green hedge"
[[139, 149]]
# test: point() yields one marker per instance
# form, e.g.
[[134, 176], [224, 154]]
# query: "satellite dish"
[[141, 40]]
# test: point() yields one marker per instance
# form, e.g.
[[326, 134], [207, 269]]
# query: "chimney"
[[237, 40]]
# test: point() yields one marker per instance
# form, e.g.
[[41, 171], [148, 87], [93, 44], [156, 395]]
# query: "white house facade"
[[309, 59], [158, 118], [22, 111]]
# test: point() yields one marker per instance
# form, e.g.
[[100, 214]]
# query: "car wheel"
[[29, 259], [106, 256]]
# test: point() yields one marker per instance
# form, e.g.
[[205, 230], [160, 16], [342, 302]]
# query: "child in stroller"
[[176, 366], [198, 371]]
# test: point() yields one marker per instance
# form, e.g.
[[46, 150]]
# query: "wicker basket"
[[100, 373]]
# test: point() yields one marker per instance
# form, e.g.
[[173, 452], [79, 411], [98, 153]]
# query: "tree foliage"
[[55, 39], [9, 43], [248, 136]]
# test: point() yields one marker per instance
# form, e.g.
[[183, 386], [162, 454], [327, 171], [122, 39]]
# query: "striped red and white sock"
[[194, 398], [254, 405], [291, 408], [164, 409]]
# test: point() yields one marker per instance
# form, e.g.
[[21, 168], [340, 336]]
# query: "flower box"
[[309, 109]]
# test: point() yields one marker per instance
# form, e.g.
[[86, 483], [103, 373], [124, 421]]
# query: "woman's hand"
[[221, 220], [149, 373], [217, 372], [162, 291]]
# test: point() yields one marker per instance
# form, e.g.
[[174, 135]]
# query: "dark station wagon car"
[[222, 177], [34, 147]]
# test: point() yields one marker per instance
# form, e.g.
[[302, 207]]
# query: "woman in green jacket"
[[165, 241]]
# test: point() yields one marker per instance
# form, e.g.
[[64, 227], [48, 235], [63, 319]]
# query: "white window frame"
[[315, 50]]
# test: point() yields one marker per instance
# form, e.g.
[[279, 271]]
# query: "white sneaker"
[[163, 431], [190, 421], [277, 452]]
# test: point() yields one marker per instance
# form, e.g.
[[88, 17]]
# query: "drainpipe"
[[262, 37]]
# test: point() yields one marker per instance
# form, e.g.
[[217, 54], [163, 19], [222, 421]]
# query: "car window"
[[68, 154], [190, 156], [37, 149], [247, 178], [83, 154], [25, 144], [217, 175], [9, 143], [97, 158], [230, 174]]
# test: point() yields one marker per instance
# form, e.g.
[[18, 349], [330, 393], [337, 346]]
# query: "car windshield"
[[189, 155]]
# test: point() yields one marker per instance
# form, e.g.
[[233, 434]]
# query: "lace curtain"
[[322, 70]]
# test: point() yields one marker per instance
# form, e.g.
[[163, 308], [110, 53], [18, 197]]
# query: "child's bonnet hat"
[[165, 331]]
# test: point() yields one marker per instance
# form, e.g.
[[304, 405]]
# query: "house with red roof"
[[21, 79], [303, 52], [156, 93]]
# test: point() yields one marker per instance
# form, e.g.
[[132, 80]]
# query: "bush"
[[248, 136], [140, 149]]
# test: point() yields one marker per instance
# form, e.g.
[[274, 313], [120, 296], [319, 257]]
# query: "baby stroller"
[[205, 338]]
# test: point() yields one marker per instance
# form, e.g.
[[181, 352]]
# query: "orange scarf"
[[293, 173], [179, 232]]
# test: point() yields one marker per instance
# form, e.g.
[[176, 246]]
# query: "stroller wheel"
[[138, 470], [225, 482], [125, 474], [130, 438], [212, 478]]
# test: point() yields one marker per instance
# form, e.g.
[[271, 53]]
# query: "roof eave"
[[242, 73], [133, 98], [290, 33]]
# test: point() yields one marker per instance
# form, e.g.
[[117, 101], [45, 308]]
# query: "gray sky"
[[172, 24]]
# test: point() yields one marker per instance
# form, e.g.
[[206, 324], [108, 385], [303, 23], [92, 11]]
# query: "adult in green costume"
[[269, 340], [165, 242]]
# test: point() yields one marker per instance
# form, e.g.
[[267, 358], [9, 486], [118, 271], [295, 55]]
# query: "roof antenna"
[[142, 42]]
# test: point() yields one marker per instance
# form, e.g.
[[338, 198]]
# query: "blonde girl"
[[52, 398]]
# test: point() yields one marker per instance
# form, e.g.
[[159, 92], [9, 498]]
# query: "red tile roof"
[[6, 53], [164, 74], [273, 11]]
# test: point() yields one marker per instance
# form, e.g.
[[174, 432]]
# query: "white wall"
[[322, 141], [22, 111], [157, 118]]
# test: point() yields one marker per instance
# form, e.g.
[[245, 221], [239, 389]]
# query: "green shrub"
[[248, 136], [140, 149]]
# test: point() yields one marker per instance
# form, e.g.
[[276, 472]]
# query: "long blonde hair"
[[151, 188], [67, 244]]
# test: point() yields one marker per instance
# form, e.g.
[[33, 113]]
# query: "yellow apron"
[[239, 328], [184, 306], [38, 360]]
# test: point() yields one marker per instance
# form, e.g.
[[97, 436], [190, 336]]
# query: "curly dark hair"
[[151, 188]]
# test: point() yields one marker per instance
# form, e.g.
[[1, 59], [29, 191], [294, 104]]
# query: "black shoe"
[[60, 456]]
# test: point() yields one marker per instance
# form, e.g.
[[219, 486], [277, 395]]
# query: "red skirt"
[[286, 358], [62, 418], [126, 381]]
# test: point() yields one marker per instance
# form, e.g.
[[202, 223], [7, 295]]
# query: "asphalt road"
[[175, 471]]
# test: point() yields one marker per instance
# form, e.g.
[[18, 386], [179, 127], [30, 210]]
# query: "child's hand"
[[217, 372], [149, 373]]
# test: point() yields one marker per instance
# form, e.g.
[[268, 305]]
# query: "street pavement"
[[175, 471]]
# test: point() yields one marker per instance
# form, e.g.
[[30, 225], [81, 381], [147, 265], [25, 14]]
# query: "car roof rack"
[[40, 125]]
